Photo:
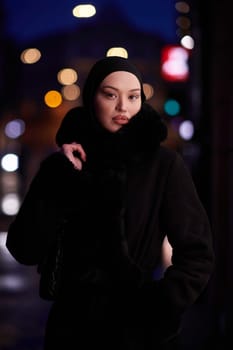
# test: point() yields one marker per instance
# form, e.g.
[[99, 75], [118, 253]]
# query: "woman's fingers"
[[77, 147], [70, 150]]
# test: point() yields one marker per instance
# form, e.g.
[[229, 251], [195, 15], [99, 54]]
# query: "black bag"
[[51, 266]]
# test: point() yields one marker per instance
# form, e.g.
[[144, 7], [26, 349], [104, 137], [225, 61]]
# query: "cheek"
[[135, 109], [100, 111], [99, 105]]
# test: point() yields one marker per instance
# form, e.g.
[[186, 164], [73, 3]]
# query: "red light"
[[174, 63]]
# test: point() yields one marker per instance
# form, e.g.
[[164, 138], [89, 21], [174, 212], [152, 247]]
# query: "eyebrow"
[[114, 88]]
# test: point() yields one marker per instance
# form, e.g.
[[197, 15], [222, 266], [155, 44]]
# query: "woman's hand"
[[75, 153]]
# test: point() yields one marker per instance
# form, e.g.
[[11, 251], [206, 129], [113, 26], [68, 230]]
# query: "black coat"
[[117, 213]]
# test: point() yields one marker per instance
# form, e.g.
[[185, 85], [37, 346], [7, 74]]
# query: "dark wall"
[[217, 119]]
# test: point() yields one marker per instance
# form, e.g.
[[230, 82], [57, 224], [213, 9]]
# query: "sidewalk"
[[22, 313]]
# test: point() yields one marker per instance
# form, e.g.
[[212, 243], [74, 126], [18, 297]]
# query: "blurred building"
[[205, 99], [25, 84]]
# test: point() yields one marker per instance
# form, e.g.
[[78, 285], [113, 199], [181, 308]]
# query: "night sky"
[[27, 20]]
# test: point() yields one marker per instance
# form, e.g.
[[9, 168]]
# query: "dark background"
[[206, 98]]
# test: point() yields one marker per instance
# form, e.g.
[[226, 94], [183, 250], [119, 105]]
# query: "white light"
[[6, 257], [3, 239], [10, 204], [10, 162], [175, 63], [82, 11], [186, 130], [187, 42], [178, 68], [12, 282]]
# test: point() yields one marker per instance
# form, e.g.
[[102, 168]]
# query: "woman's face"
[[117, 100]]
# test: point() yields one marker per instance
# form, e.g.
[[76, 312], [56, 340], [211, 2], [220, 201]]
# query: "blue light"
[[172, 107]]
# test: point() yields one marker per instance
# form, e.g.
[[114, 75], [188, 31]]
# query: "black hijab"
[[100, 70], [141, 135]]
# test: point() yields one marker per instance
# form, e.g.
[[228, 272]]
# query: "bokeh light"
[[30, 56], [148, 90], [10, 204], [117, 51], [186, 130], [53, 99], [71, 92], [187, 42], [172, 107], [84, 11], [10, 162], [15, 128], [67, 76]]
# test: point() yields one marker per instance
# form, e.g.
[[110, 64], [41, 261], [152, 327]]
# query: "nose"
[[121, 104]]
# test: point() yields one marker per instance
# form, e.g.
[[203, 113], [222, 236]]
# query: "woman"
[[125, 193]]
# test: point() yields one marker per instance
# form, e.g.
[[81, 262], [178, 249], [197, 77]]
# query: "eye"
[[134, 97], [110, 95]]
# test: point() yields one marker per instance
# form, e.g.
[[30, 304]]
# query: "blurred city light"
[[84, 11], [10, 181], [53, 99], [186, 130], [10, 204], [117, 51], [174, 63], [187, 42], [71, 92], [67, 76], [148, 90], [182, 6], [172, 107], [15, 128], [12, 282], [10, 162], [4, 252], [183, 22], [30, 56]]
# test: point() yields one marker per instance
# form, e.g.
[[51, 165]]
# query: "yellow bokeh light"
[[30, 56], [82, 11], [148, 91], [71, 92], [67, 76], [117, 51], [53, 99]]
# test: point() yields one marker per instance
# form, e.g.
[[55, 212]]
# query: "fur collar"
[[138, 138]]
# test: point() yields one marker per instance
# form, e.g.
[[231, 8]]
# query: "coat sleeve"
[[24, 237], [188, 230], [40, 211]]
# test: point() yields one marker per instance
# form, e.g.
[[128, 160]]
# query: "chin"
[[114, 128]]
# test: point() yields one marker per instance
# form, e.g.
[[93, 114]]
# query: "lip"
[[120, 119]]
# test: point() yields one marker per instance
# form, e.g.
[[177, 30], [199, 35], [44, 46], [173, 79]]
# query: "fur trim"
[[142, 135]]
